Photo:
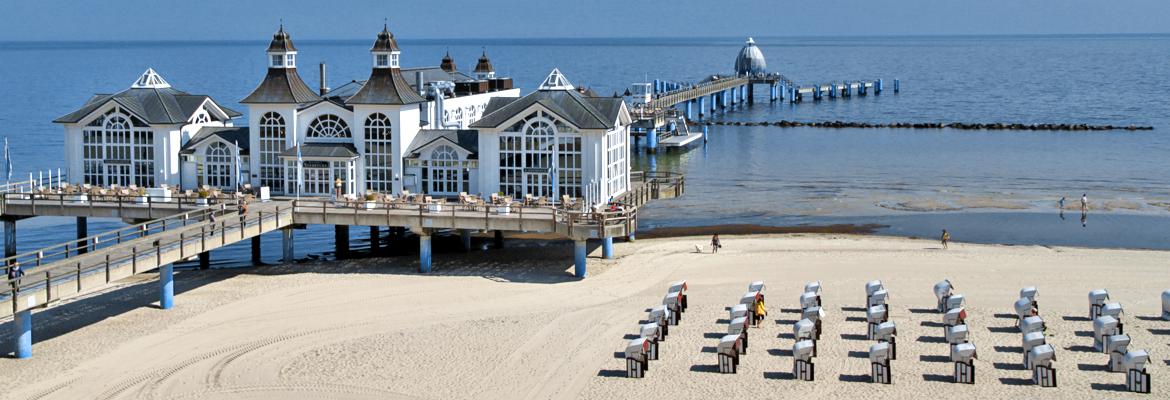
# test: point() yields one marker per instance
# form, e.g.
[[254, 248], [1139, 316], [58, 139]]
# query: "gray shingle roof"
[[330, 150], [468, 139], [153, 105], [230, 134], [582, 112], [282, 86], [386, 86]]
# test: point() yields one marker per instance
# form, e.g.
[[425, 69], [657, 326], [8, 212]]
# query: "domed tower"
[[483, 69], [750, 60], [448, 63]]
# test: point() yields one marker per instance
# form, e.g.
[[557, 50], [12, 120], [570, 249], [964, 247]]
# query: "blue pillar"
[[702, 107], [878, 88], [22, 334], [896, 84], [166, 286], [714, 106], [424, 253], [653, 160], [723, 100], [652, 140], [579, 258], [607, 247], [743, 93], [657, 86], [286, 245], [734, 96], [465, 236], [832, 90], [772, 93], [690, 111], [704, 133]]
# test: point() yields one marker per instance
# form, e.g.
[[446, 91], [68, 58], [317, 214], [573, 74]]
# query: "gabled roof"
[[322, 150], [229, 134], [582, 112], [386, 86], [282, 86], [155, 103], [467, 139], [337, 101]]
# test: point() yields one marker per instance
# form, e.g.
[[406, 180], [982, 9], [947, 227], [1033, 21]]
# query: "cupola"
[[385, 50], [483, 69], [281, 52]]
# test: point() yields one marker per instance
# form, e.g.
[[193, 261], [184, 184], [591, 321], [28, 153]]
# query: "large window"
[[616, 161], [328, 126], [118, 149], [444, 173], [272, 142], [379, 154], [535, 150], [217, 170]]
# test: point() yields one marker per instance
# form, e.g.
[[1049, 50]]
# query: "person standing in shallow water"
[[715, 244], [1061, 202], [946, 237], [1084, 203]]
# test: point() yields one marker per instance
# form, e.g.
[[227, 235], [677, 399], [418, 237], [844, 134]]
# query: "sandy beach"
[[515, 324]]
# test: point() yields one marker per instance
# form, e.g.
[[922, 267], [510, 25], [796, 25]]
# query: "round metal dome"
[[750, 60]]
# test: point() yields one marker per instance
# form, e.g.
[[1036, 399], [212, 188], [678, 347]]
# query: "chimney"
[[323, 89], [418, 81]]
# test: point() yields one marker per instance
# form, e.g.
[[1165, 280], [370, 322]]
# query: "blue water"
[[758, 175]]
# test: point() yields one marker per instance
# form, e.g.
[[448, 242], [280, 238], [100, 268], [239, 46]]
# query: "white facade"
[[123, 139]]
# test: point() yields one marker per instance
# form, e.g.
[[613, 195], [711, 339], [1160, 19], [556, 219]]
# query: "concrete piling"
[[166, 282], [579, 252]]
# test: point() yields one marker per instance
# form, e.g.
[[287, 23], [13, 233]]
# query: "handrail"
[[217, 231], [48, 254]]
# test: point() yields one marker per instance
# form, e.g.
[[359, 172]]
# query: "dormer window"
[[382, 60], [277, 61], [394, 60], [290, 60]]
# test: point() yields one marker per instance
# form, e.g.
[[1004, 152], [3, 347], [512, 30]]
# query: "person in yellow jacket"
[[760, 312]]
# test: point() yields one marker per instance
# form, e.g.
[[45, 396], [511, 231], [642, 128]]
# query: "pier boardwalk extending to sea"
[[177, 229]]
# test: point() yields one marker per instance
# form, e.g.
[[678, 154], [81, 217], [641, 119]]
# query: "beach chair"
[[1137, 380], [1117, 346], [1031, 340], [1166, 305], [1104, 326], [739, 326], [963, 355], [887, 332], [1097, 300], [637, 360], [1041, 358], [942, 291], [879, 361], [729, 350], [802, 354], [652, 333]]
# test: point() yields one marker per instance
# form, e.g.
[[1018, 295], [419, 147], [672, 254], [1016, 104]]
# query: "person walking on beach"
[[946, 237], [760, 312], [1061, 202], [715, 244], [1084, 203]]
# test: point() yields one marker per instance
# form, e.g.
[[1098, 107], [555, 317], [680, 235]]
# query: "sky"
[[41, 20]]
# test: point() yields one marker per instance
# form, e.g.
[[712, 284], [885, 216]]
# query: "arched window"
[[118, 149], [329, 126], [201, 118], [379, 153], [217, 167], [272, 143], [444, 172], [532, 149]]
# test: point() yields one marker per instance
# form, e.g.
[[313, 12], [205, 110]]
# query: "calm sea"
[[992, 187]]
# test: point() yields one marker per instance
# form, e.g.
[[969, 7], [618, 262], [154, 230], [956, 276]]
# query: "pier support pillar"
[[375, 240], [690, 112], [256, 250], [751, 94], [286, 245], [743, 93], [465, 237], [734, 97], [704, 133], [579, 252], [897, 84], [607, 247], [166, 286], [9, 238], [82, 233], [772, 93], [877, 87], [652, 140], [498, 240], [424, 252], [702, 106], [341, 241], [714, 103], [205, 260], [22, 334]]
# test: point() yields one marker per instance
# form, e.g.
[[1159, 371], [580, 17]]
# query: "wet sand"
[[514, 323]]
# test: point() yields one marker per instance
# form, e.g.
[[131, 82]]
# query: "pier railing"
[[36, 203], [669, 99], [57, 280], [89, 244]]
